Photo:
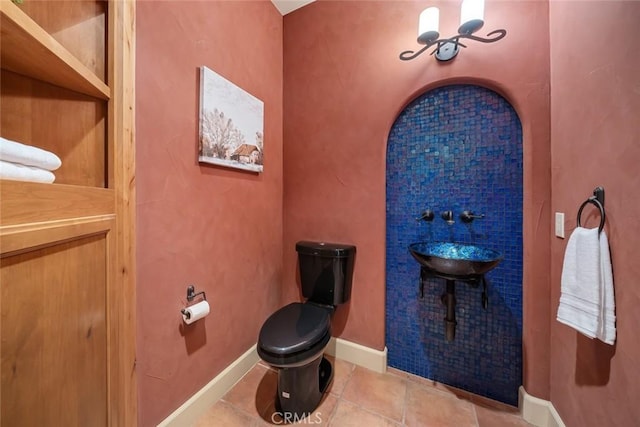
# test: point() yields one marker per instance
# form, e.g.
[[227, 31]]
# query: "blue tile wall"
[[456, 148]]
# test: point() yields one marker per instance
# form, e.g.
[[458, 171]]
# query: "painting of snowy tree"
[[231, 124]]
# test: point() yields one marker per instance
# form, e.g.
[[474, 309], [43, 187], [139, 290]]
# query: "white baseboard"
[[198, 404], [537, 411], [357, 354]]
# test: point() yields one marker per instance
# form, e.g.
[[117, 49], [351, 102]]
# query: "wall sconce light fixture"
[[471, 20]]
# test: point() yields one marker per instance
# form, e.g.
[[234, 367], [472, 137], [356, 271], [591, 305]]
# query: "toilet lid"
[[295, 327]]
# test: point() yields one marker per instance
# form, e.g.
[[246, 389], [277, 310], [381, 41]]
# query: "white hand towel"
[[586, 300], [18, 172], [607, 327], [15, 152]]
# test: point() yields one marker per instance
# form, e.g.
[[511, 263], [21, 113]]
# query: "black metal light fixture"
[[471, 20]]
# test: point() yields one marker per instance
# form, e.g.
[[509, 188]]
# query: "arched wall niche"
[[456, 147]]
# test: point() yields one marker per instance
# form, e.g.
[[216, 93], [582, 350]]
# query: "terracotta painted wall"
[[216, 228], [595, 105], [343, 88]]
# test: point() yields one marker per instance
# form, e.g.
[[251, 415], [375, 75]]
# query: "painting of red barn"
[[231, 124]]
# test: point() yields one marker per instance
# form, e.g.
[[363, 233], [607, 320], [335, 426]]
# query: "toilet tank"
[[326, 270]]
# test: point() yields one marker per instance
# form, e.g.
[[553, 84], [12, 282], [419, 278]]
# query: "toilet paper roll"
[[195, 312]]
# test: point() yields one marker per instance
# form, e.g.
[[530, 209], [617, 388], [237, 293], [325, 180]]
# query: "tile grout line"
[[360, 406], [339, 396], [243, 411], [349, 377], [257, 420], [384, 417], [455, 392], [333, 412], [475, 413], [377, 414], [406, 402]]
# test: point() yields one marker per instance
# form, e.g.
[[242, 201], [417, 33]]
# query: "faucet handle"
[[448, 217], [468, 216], [426, 216]]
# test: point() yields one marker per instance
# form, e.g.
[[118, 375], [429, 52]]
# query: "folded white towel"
[[586, 300], [607, 328], [18, 172], [15, 152]]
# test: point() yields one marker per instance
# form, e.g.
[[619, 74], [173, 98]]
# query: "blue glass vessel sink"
[[455, 260]]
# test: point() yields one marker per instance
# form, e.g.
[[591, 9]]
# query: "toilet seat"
[[295, 334]]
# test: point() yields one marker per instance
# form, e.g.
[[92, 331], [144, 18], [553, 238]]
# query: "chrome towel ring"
[[598, 200]]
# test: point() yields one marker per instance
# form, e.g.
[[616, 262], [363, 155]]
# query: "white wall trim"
[[537, 411], [198, 404], [357, 354]]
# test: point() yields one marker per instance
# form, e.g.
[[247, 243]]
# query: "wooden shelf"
[[29, 202], [26, 48]]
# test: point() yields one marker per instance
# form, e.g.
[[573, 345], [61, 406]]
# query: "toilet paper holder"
[[191, 295]]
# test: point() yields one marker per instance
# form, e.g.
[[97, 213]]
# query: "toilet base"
[[300, 389]]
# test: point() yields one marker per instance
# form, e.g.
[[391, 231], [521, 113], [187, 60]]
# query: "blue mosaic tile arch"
[[456, 148]]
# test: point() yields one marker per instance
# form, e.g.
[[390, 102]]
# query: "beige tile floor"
[[359, 397]]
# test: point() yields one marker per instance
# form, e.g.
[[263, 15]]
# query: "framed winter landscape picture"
[[231, 124]]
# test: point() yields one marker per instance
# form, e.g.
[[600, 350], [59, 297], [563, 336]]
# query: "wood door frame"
[[121, 178]]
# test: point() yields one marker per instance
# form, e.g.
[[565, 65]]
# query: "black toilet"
[[293, 338]]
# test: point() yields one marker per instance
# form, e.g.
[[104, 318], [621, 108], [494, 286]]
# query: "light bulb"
[[471, 16], [428, 25]]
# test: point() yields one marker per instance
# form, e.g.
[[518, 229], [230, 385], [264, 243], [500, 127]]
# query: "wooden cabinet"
[[67, 277]]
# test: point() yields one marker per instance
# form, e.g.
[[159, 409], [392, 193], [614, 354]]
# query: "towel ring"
[[594, 201]]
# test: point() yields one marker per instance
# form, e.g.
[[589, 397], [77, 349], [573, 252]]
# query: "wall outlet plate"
[[560, 224]]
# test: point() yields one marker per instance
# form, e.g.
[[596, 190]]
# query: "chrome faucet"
[[448, 216]]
